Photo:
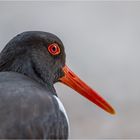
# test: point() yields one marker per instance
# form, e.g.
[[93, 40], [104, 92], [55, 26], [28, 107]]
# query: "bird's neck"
[[24, 66]]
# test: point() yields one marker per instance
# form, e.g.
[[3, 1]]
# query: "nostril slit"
[[72, 75]]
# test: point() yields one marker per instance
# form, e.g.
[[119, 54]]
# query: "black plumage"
[[28, 107]]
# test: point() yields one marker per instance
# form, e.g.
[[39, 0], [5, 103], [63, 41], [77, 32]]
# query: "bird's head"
[[41, 56]]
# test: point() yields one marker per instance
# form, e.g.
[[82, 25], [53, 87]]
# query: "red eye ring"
[[54, 49]]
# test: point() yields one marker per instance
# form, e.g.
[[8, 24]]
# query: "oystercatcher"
[[30, 64]]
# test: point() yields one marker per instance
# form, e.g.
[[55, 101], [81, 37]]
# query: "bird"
[[30, 64]]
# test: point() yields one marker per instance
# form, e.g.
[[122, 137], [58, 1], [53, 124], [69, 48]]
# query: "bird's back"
[[28, 110]]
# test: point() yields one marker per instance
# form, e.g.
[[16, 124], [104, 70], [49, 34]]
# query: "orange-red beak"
[[73, 81]]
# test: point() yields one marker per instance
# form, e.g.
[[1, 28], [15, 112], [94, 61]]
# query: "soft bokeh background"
[[102, 41]]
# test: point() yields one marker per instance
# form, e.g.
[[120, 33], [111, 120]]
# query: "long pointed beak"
[[72, 80]]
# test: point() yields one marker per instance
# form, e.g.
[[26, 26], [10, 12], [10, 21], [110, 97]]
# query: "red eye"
[[54, 49]]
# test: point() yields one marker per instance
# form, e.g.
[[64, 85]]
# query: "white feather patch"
[[61, 107]]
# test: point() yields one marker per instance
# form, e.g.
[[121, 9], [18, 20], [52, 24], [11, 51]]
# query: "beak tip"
[[112, 112]]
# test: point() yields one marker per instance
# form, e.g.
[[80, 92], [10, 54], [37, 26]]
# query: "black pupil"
[[53, 48]]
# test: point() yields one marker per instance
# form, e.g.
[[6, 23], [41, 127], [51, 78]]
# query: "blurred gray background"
[[102, 41]]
